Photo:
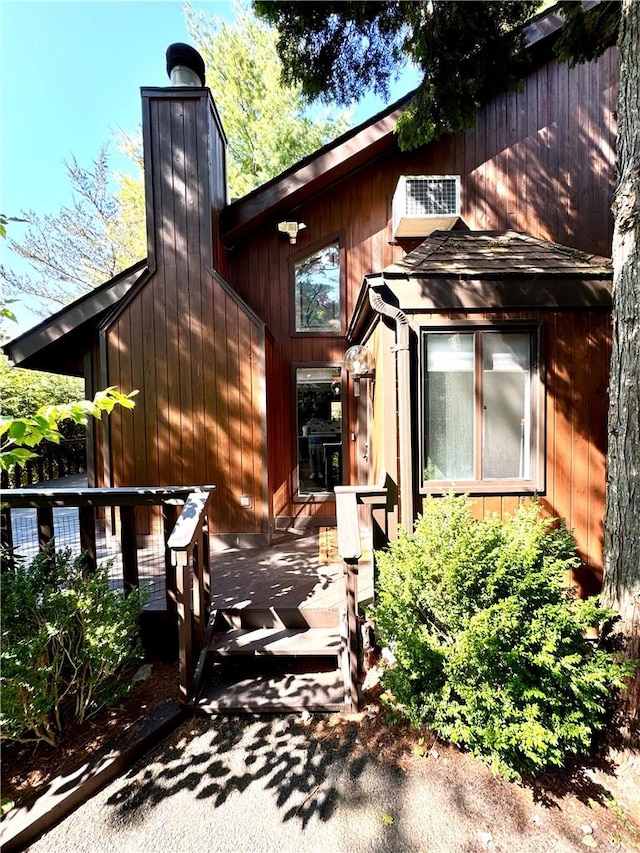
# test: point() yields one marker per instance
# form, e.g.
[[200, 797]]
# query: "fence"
[[52, 462]]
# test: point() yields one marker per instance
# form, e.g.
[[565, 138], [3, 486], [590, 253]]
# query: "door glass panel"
[[506, 394], [449, 403], [319, 429]]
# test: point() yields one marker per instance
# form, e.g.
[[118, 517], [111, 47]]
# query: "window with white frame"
[[481, 409]]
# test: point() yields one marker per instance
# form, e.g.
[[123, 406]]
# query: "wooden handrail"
[[189, 546], [138, 496], [350, 550]]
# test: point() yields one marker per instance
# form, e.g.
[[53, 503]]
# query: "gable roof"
[[483, 271], [58, 343], [360, 145], [302, 180]]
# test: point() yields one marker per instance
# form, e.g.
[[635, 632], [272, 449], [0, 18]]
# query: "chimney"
[[185, 66], [184, 167]]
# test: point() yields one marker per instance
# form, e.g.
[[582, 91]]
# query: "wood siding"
[[575, 354], [184, 339], [540, 161]]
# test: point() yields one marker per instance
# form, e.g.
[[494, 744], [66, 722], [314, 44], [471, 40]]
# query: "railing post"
[[44, 514], [129, 548], [353, 634], [199, 594], [189, 547], [183, 606], [169, 516], [6, 539], [87, 520], [350, 549]]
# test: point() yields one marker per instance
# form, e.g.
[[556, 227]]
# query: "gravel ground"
[[252, 784]]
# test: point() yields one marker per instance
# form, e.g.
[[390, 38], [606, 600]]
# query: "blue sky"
[[71, 74]]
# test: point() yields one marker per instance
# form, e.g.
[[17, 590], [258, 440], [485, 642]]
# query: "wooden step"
[[309, 642], [274, 693], [281, 617]]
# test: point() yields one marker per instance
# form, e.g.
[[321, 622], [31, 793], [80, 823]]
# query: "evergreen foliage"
[[489, 638], [66, 639], [467, 52]]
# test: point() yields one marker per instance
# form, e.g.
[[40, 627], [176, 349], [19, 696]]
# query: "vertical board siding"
[[186, 342], [539, 160], [575, 353]]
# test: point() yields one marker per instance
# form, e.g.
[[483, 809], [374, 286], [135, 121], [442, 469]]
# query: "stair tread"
[[319, 691], [277, 641]]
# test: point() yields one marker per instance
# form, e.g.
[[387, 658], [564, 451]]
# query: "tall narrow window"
[[479, 408], [317, 291], [318, 429]]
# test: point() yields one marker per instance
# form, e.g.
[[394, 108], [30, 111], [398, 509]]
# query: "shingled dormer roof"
[[484, 271], [482, 254]]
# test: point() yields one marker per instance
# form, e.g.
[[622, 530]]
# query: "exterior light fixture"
[[360, 363], [291, 229]]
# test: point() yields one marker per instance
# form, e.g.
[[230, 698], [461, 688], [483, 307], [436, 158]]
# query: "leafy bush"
[[26, 391], [489, 638], [65, 641]]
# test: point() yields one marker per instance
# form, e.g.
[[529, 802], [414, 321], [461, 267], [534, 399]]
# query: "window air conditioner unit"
[[425, 203]]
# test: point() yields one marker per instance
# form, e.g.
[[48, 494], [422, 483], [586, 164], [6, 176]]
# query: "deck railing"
[[185, 537], [52, 462], [348, 499], [191, 579]]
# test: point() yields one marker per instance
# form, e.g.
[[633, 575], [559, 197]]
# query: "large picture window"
[[317, 291], [481, 409]]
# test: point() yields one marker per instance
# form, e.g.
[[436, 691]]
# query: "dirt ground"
[[26, 769]]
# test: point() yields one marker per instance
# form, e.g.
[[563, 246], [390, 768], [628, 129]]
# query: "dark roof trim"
[[414, 295], [292, 187], [535, 292], [69, 318]]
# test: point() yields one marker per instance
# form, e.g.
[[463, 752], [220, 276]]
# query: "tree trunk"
[[621, 586]]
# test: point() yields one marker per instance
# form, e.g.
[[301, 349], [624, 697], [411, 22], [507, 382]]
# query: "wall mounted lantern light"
[[360, 363], [291, 229]]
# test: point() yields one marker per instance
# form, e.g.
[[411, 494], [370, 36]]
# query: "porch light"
[[291, 229], [360, 363]]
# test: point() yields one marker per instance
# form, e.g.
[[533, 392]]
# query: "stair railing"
[[189, 547], [350, 531]]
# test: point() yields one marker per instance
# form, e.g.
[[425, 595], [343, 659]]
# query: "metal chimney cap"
[[185, 56]]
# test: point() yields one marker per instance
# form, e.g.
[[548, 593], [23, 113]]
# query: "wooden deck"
[[297, 581]]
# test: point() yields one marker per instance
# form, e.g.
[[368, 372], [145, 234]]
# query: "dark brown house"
[[473, 271]]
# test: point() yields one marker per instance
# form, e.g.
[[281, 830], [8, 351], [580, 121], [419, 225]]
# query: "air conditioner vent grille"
[[431, 197], [423, 204]]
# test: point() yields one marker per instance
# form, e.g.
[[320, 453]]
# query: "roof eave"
[[91, 306], [296, 184]]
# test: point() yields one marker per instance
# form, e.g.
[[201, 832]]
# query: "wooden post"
[[87, 517], [6, 539], [183, 606], [199, 607], [129, 548], [353, 633], [206, 566], [170, 515], [44, 515]]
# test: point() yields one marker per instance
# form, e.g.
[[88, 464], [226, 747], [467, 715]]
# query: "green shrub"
[[66, 639], [489, 638]]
